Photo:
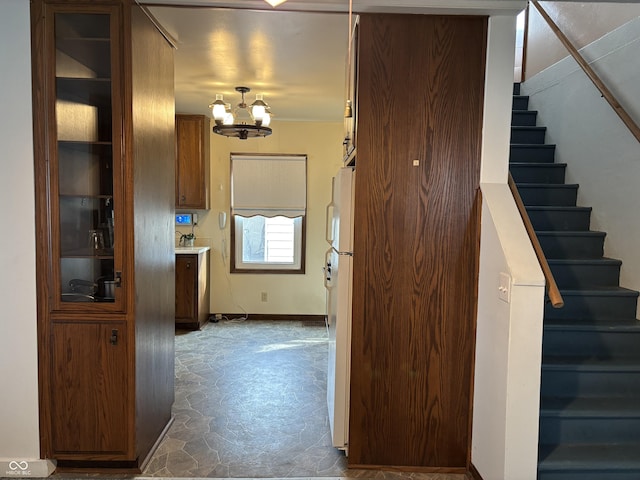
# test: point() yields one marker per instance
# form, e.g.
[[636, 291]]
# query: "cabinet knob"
[[114, 337], [182, 198], [188, 265]]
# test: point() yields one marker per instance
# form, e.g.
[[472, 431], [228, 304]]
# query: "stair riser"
[[576, 276], [600, 344], [572, 384], [593, 307], [547, 173], [568, 246], [607, 475], [520, 103], [516, 88], [523, 118], [527, 136], [561, 197], [532, 154], [565, 220], [559, 430]]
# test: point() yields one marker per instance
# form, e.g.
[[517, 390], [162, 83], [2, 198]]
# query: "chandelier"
[[244, 121]]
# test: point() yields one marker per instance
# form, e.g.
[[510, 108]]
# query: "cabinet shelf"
[[90, 52], [81, 144], [104, 254], [88, 91], [81, 196]]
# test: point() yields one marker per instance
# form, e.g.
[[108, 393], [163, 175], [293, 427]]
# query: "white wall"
[[509, 335], [286, 293], [19, 430], [581, 22], [602, 155]]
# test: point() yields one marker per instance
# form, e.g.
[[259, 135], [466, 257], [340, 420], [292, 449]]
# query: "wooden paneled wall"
[[416, 245], [153, 208]]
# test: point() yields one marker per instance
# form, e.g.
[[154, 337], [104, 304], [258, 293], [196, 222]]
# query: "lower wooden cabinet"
[[90, 360], [192, 290]]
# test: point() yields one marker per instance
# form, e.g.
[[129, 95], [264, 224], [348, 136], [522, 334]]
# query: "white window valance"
[[268, 185]]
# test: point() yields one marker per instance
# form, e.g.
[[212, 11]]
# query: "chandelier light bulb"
[[258, 109], [218, 108], [229, 119], [266, 118]]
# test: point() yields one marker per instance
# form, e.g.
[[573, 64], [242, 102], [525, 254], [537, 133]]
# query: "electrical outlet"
[[218, 316], [263, 296]]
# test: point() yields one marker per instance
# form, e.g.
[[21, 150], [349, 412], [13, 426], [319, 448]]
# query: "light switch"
[[504, 289]]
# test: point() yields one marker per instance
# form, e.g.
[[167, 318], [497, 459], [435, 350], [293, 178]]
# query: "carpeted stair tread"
[[558, 208], [604, 290], [584, 261], [568, 186], [529, 128], [537, 164], [603, 457], [599, 324], [571, 233], [595, 407], [583, 364], [535, 145]]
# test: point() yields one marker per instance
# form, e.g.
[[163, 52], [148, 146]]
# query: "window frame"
[[285, 269], [281, 269]]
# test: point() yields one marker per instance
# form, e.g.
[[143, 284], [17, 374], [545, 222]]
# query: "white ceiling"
[[295, 59], [294, 54]]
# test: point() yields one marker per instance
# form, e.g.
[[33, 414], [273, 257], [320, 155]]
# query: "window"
[[268, 209]]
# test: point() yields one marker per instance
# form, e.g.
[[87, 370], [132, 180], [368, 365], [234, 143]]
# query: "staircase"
[[590, 391]]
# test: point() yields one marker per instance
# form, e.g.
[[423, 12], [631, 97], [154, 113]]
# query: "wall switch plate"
[[504, 288]]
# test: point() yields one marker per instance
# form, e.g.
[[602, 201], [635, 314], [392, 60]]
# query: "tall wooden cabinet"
[[192, 161], [416, 240], [103, 142]]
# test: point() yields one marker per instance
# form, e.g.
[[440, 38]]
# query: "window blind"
[[268, 185]]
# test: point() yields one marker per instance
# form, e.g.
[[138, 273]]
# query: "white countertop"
[[191, 250]]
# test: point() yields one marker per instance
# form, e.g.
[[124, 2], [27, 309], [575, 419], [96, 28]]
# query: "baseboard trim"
[[475, 474], [274, 316], [157, 443], [409, 469]]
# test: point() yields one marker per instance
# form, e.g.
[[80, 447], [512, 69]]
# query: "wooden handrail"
[[552, 288], [606, 93]]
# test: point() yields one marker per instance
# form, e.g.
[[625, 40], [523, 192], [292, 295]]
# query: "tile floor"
[[251, 403]]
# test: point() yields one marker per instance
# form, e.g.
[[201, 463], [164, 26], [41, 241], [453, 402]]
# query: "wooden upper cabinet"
[[192, 161]]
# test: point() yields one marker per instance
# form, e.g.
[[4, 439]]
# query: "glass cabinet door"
[[85, 185]]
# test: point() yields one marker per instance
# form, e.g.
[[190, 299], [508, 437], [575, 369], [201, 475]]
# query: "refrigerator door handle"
[[327, 269], [328, 228]]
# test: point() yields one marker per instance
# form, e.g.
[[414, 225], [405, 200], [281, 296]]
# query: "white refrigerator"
[[338, 282]]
